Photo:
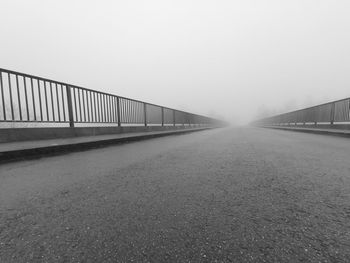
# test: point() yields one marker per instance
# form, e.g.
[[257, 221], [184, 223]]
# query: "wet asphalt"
[[224, 195]]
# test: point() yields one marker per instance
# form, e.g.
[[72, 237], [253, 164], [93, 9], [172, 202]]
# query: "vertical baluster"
[[47, 105], [135, 110], [126, 112], [125, 103], [132, 109], [26, 96], [95, 107], [113, 109], [332, 117], [2, 95], [90, 107], [85, 105], [129, 111], [108, 108], [121, 110], [95, 115], [63, 105], [118, 111], [101, 107], [10, 89], [58, 104], [40, 102], [80, 113], [145, 113], [19, 99], [126, 117], [75, 105], [105, 104], [98, 106], [140, 109], [83, 98], [52, 103], [70, 106], [104, 108], [134, 113], [139, 115], [162, 109]]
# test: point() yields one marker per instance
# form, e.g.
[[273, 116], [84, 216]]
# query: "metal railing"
[[329, 113], [27, 98]]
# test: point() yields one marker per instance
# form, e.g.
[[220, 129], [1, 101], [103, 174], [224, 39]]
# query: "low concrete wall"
[[28, 134], [313, 126], [344, 131]]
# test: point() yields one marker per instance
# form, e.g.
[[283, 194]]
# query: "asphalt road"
[[226, 195]]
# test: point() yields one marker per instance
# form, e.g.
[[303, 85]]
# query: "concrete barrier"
[[30, 134]]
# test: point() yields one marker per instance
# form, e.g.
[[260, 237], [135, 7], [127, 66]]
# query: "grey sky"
[[231, 58]]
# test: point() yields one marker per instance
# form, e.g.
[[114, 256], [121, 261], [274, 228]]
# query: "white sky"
[[232, 58]]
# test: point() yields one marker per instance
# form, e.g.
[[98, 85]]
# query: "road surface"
[[225, 195]]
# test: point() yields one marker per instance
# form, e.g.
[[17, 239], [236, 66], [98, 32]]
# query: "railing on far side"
[[327, 113]]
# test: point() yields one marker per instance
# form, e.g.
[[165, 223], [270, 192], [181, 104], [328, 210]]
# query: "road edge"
[[338, 133], [52, 150]]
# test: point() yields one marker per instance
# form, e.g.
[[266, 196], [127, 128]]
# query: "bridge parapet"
[[335, 114], [27, 99]]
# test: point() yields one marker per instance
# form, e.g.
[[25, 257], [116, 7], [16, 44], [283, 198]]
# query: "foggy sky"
[[236, 59]]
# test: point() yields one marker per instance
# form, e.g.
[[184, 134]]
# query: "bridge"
[[229, 194]]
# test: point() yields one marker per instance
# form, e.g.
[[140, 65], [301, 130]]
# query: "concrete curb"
[[34, 153], [339, 133]]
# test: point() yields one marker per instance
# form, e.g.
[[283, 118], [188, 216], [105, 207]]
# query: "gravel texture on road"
[[224, 195]]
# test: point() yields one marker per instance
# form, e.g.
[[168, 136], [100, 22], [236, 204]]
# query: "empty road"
[[225, 195]]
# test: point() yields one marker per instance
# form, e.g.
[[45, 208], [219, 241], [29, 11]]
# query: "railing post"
[[70, 107], [162, 116], [332, 113], [118, 112], [145, 113], [174, 118]]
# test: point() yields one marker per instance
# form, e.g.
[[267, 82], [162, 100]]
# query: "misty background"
[[237, 60]]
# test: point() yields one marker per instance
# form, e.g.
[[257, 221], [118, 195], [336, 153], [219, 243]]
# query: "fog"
[[236, 60]]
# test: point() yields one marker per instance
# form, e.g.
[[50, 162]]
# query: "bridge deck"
[[245, 195]]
